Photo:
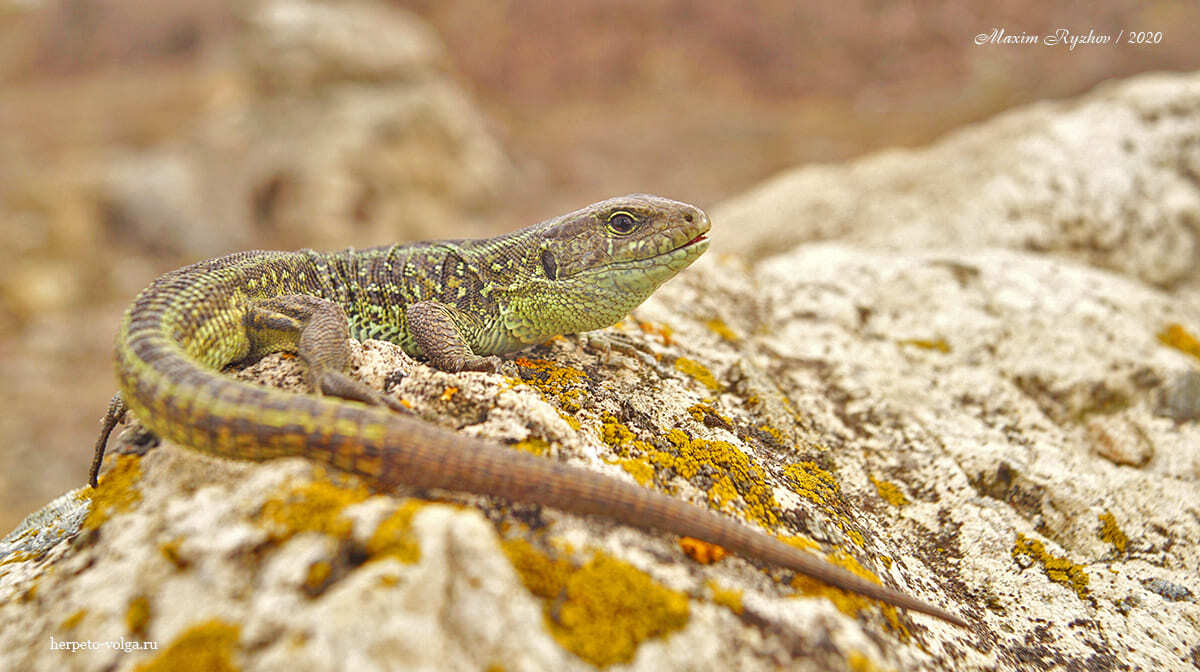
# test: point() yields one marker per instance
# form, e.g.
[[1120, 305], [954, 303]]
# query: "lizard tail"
[[469, 464]]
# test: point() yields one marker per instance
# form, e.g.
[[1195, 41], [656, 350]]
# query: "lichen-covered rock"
[[1002, 431]]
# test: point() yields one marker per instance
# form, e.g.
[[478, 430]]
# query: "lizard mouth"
[[700, 238]]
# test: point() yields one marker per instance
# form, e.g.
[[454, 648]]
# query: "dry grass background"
[[694, 100]]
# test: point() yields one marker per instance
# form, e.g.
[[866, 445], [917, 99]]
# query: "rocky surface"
[[1108, 180], [1006, 429]]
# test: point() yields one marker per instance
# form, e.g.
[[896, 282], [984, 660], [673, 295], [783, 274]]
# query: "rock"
[[975, 423], [330, 124], [1108, 180]]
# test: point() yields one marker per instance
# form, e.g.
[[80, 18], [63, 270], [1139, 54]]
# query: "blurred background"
[[136, 137]]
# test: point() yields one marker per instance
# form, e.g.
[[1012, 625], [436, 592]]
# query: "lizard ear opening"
[[549, 265]]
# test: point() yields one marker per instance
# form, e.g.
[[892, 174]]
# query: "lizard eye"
[[621, 223]]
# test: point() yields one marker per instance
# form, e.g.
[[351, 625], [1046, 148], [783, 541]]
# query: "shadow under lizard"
[[456, 303]]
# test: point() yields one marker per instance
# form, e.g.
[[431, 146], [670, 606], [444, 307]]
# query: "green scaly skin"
[[458, 303]]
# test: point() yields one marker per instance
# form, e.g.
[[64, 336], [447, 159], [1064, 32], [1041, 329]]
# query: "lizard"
[[458, 304]]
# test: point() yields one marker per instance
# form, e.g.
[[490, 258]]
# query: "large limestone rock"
[[1008, 432]]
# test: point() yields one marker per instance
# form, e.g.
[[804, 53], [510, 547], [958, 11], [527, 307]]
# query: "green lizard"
[[457, 304]]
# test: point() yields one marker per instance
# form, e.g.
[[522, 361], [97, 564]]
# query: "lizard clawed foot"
[[338, 384], [610, 341]]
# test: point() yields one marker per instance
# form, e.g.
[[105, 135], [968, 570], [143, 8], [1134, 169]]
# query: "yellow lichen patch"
[[534, 446], [544, 576], [564, 384], [73, 620], [729, 598], [737, 474], [1059, 570], [601, 611], [313, 506], [706, 415], [701, 551], [774, 433], [116, 491], [206, 647], [721, 329], [698, 372], [621, 439], [859, 662], [1112, 533], [318, 573], [641, 472], [1175, 336], [170, 551], [812, 482], [927, 344], [17, 556], [137, 615], [801, 542], [394, 537], [848, 603], [661, 330], [734, 474], [448, 393], [722, 492], [890, 492]]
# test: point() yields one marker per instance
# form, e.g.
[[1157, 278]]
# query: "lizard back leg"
[[112, 417], [433, 326], [318, 331]]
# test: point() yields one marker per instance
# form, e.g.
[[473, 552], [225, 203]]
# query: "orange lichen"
[[661, 330], [701, 551], [448, 393], [206, 647]]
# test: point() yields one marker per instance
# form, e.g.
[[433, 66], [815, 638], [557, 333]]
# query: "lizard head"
[[590, 267]]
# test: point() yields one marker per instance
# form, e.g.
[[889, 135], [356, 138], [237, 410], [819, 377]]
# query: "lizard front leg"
[[434, 327], [318, 331]]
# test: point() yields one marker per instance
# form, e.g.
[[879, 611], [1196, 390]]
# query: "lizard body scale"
[[457, 303]]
